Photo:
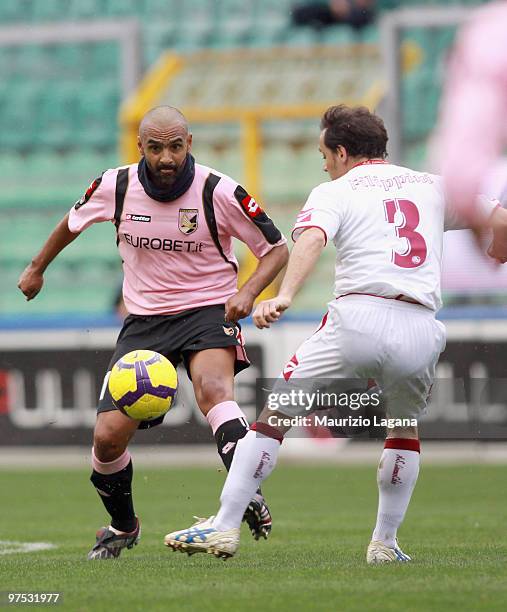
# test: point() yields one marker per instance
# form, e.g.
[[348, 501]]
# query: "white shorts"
[[395, 343]]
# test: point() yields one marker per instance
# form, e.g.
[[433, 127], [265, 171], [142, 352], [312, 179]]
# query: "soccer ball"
[[143, 385]]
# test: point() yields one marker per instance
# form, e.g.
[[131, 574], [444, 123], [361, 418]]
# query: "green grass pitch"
[[456, 531]]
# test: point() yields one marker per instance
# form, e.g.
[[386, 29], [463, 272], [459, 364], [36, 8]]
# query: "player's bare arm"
[[498, 247], [302, 260], [240, 305], [32, 278]]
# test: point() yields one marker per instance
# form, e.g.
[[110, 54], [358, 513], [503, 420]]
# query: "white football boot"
[[203, 537], [378, 552]]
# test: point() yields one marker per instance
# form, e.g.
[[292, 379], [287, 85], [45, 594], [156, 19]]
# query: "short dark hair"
[[360, 132]]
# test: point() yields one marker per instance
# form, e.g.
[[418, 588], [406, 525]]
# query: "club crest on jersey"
[[188, 220], [230, 331], [88, 193]]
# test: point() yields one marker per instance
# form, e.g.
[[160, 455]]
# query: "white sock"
[[254, 460], [396, 477]]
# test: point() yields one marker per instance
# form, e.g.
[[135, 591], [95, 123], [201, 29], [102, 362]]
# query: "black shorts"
[[176, 337]]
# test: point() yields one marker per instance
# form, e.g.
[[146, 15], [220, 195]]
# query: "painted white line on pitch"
[[8, 547]]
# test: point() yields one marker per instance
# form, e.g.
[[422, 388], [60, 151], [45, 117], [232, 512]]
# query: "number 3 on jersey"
[[406, 222]]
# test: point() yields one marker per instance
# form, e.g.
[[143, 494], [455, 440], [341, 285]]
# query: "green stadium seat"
[[48, 10], [229, 161], [122, 8], [83, 166], [415, 155], [97, 124], [196, 26], [161, 11], [33, 61], [70, 60], [234, 22], [57, 117], [44, 165], [303, 36], [158, 37], [271, 34], [339, 35], [271, 21], [7, 64], [90, 250], [385, 5], [12, 10], [18, 117], [12, 166], [369, 35], [86, 9]]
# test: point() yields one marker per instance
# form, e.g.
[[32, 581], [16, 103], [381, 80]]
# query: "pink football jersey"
[[178, 255]]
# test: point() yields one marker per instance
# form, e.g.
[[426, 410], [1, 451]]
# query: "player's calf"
[[396, 477], [229, 425]]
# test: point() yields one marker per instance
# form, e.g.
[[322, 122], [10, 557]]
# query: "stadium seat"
[[158, 37], [96, 120], [233, 23], [70, 60], [339, 35], [369, 35], [86, 9], [18, 117], [303, 36], [11, 10], [161, 10], [122, 8], [49, 10], [56, 118], [105, 59]]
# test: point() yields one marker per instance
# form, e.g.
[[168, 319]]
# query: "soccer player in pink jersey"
[[387, 225], [473, 125], [175, 221]]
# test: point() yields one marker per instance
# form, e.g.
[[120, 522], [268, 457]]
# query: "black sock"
[[115, 491], [226, 437]]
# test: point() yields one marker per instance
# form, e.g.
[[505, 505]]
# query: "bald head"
[[162, 118], [164, 141]]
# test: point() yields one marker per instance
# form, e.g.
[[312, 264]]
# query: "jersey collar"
[[181, 185], [368, 162]]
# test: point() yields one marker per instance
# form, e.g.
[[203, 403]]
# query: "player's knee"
[[210, 391], [108, 444]]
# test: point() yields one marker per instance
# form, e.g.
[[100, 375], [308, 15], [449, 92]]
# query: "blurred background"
[[253, 77]]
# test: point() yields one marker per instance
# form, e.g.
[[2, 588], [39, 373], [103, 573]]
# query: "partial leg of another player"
[[112, 477], [212, 372], [254, 460], [396, 478]]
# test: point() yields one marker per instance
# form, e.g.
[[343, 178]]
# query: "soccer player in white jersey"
[[387, 225]]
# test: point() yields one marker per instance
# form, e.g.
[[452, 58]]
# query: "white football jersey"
[[387, 224]]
